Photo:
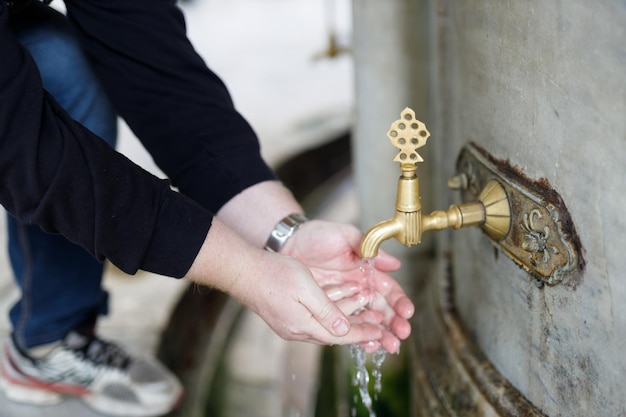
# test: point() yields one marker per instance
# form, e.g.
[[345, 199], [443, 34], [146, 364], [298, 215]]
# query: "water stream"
[[361, 378]]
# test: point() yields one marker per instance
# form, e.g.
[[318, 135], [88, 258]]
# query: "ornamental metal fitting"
[[542, 239]]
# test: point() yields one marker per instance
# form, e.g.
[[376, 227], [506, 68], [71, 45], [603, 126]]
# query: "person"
[[57, 174]]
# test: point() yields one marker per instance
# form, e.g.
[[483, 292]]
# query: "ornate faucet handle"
[[408, 134]]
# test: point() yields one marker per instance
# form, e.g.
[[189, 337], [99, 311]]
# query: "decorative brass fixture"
[[491, 211], [526, 219]]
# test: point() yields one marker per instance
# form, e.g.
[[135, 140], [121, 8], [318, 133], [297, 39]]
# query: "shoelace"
[[104, 353]]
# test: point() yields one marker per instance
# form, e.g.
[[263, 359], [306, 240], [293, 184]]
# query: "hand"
[[279, 289], [331, 252], [289, 300]]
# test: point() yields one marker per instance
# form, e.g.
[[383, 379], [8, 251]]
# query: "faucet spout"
[[378, 234], [405, 225]]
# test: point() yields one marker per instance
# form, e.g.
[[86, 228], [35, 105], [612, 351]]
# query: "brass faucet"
[[491, 211]]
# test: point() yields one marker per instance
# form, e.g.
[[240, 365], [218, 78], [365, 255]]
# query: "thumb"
[[323, 310], [329, 315]]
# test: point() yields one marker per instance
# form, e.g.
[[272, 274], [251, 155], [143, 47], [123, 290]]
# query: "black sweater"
[[55, 173]]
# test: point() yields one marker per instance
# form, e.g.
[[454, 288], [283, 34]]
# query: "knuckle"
[[326, 311]]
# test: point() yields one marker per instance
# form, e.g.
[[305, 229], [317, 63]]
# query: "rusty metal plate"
[[542, 238]]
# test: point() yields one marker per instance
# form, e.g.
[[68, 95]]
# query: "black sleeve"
[[55, 173], [177, 107]]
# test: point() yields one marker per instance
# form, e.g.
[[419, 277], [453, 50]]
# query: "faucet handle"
[[408, 134]]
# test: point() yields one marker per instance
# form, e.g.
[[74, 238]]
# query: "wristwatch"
[[283, 231]]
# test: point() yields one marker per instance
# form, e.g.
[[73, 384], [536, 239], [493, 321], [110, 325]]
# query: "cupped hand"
[[280, 289], [285, 295], [331, 252]]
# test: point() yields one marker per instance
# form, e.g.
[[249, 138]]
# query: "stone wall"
[[543, 85]]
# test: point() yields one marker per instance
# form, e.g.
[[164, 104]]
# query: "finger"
[[329, 279], [325, 311], [337, 292], [359, 333], [379, 303], [394, 305], [398, 324], [371, 346], [394, 295], [368, 316], [313, 331], [404, 307], [400, 327], [389, 342], [353, 304], [386, 262]]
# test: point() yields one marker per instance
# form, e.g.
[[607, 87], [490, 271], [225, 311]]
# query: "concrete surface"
[[542, 86]]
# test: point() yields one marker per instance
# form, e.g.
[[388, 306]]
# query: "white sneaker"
[[104, 376]]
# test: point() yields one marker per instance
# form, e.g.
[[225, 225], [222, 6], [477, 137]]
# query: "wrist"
[[283, 231]]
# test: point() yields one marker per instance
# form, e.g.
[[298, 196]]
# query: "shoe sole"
[[19, 390]]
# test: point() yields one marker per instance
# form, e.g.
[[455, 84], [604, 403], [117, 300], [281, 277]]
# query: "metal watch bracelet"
[[283, 231]]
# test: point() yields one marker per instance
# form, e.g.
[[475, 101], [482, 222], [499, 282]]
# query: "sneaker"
[[100, 373]]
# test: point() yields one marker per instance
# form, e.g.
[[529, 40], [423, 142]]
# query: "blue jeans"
[[60, 281]]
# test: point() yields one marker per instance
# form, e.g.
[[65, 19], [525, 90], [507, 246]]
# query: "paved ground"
[[264, 50]]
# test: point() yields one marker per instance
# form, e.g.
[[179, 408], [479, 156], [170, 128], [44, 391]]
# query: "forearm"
[[57, 174], [223, 259], [254, 212]]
